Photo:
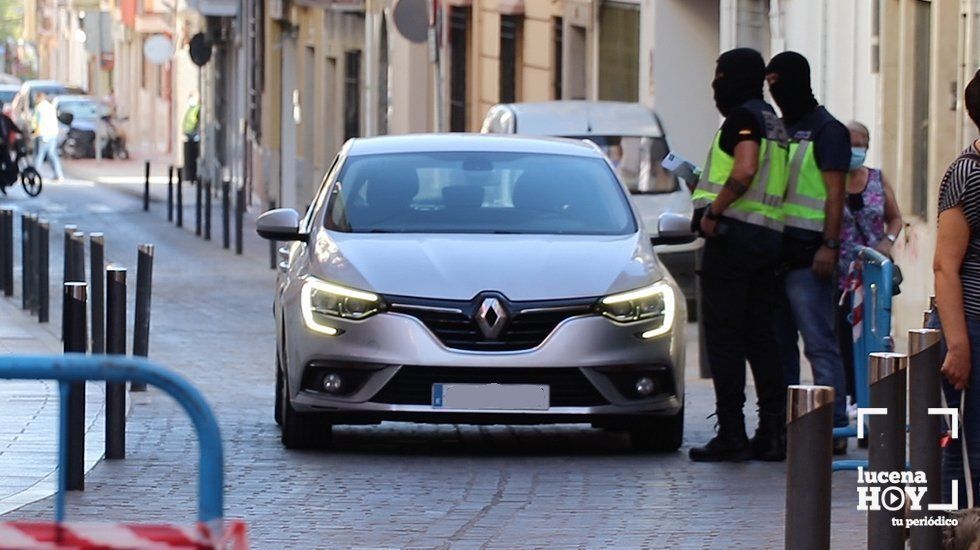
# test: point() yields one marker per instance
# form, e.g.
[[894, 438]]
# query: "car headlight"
[[322, 300], [654, 303]]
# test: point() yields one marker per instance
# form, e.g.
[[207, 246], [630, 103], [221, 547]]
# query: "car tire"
[[278, 411], [660, 434], [302, 430]]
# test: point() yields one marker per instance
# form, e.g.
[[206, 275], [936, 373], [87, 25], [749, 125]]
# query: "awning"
[[217, 8]]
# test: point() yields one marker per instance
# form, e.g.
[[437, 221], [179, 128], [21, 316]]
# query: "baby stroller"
[[19, 166]]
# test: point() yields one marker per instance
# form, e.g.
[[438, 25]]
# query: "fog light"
[[331, 383], [645, 386]]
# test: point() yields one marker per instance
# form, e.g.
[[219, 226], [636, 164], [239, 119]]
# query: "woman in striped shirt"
[[957, 272]]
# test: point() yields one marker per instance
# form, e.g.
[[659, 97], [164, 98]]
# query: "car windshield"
[[637, 161], [83, 110], [478, 192], [51, 91]]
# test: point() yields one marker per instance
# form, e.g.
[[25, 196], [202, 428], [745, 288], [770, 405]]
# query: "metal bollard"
[[35, 252], [78, 256], [886, 448], [75, 335], [146, 187], [141, 326], [67, 270], [43, 270], [226, 214], [207, 211], [925, 454], [180, 197], [7, 250], [239, 218], [197, 208], [115, 344], [170, 193], [96, 242], [809, 454], [25, 259]]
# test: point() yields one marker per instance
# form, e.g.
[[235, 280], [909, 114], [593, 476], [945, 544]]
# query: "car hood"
[[458, 267]]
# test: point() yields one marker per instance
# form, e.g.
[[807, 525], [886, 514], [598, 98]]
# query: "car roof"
[[413, 143], [72, 97], [585, 118]]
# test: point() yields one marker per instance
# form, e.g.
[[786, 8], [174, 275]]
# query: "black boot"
[[730, 445], [769, 441]]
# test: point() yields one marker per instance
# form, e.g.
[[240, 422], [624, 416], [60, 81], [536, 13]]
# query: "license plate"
[[490, 397]]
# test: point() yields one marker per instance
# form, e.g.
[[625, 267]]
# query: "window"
[[920, 109], [479, 192], [459, 25], [352, 94], [637, 162], [510, 56], [557, 33], [256, 85], [619, 52]]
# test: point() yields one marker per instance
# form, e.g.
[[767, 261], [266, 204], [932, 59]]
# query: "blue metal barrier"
[[113, 368], [876, 281]]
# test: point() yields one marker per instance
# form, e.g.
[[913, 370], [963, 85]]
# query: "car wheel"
[[278, 411], [30, 179], [302, 430], [661, 434]]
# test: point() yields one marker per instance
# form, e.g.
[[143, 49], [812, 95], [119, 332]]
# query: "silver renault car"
[[475, 279]]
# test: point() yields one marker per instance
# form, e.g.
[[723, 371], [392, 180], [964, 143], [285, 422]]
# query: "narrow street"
[[390, 486]]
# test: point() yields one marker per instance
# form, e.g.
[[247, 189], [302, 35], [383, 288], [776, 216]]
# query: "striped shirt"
[[961, 187]]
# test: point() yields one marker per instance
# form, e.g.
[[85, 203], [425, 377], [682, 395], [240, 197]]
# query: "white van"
[[632, 137]]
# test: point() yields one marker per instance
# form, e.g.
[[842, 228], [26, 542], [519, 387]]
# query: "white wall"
[[686, 46]]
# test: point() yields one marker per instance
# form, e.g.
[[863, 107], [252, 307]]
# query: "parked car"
[[7, 93], [26, 98], [634, 140], [456, 278], [86, 123]]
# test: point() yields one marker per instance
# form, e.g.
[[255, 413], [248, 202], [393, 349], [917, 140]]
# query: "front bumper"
[[391, 360]]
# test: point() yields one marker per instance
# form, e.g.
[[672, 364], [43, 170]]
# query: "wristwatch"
[[891, 238], [708, 213], [832, 244]]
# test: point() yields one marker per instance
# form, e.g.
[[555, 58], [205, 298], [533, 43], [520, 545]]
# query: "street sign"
[[412, 20], [200, 49], [158, 49]]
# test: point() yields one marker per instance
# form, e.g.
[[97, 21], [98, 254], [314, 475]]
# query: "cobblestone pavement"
[[395, 485]]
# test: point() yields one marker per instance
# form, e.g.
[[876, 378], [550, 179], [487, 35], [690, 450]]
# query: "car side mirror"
[[673, 229], [281, 224]]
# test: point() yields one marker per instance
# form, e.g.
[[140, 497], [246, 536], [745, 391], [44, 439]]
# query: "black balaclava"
[[739, 75], [792, 91]]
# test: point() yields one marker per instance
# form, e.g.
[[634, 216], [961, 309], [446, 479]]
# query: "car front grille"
[[412, 385], [455, 323]]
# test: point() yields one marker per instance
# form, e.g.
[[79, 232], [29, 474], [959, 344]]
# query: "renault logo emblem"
[[491, 317]]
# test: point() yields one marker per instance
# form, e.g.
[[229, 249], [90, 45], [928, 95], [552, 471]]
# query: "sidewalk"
[[126, 176], [29, 409]]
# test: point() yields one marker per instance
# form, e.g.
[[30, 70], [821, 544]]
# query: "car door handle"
[[283, 258]]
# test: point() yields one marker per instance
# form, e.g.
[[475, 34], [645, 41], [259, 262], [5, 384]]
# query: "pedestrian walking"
[[820, 158], [191, 128], [45, 124], [871, 218], [738, 210], [957, 274]]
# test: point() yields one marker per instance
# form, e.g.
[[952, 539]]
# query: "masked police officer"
[[820, 155], [738, 206]]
